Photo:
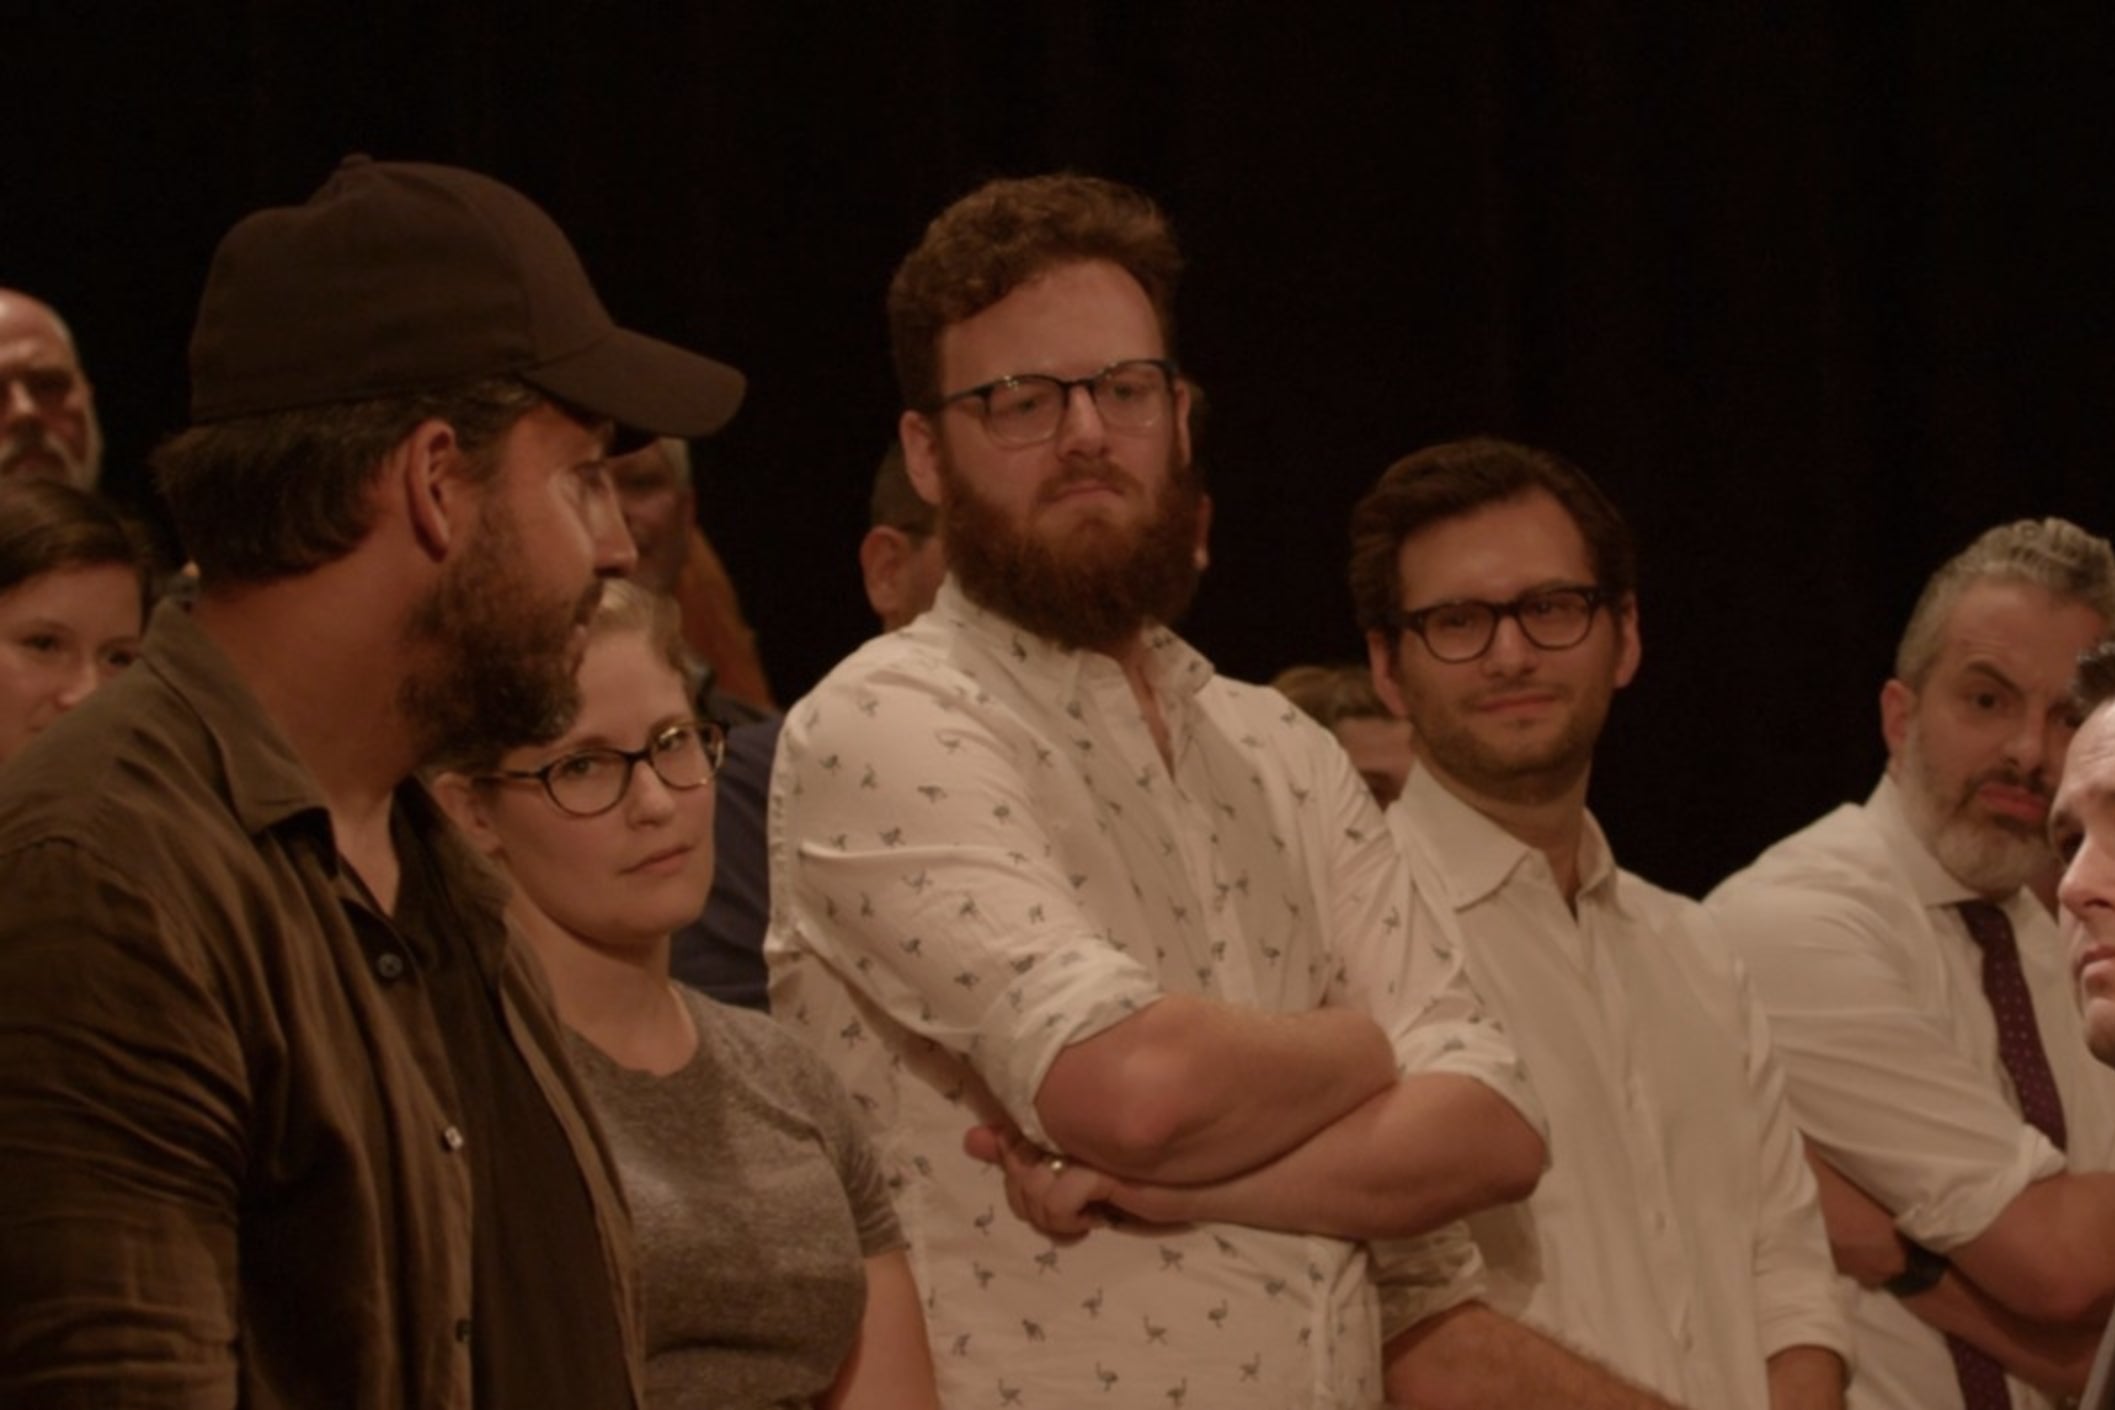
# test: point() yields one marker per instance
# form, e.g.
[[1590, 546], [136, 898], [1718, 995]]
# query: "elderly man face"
[[47, 409]]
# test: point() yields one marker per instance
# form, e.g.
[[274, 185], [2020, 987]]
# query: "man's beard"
[[1096, 585], [1991, 856], [496, 665], [32, 450], [1518, 776]]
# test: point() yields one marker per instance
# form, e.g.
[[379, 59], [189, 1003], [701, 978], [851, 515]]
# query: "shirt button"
[[390, 965], [462, 1329], [451, 1139]]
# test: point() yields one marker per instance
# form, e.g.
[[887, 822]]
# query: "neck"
[[1133, 657], [1554, 826], [312, 669], [619, 999]]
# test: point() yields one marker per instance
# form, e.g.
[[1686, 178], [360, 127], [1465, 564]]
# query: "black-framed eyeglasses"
[[589, 782], [1551, 618], [1027, 409]]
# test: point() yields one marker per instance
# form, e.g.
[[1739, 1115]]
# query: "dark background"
[[1817, 292]]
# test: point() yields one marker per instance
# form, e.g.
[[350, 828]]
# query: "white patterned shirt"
[[1675, 1238], [1874, 990], [978, 858]]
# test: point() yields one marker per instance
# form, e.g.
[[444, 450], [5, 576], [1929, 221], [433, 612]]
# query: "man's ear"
[[921, 453], [424, 473], [1380, 660], [881, 555], [1630, 647], [461, 800], [1898, 706]]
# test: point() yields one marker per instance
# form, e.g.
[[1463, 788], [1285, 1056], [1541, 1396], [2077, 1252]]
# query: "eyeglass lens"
[[1129, 396], [595, 780], [1463, 631]]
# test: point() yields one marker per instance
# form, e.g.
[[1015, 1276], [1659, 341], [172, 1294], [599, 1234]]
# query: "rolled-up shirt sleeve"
[[922, 863], [1422, 1277], [1876, 1081]]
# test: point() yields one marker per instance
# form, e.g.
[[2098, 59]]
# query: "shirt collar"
[[1476, 857], [1176, 670], [267, 783]]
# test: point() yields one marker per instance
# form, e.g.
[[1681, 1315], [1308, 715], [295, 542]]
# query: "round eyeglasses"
[[589, 782], [1551, 618], [1027, 409]]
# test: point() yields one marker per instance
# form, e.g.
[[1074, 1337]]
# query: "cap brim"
[[645, 384]]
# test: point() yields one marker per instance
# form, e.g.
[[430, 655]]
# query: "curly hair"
[[1002, 235]]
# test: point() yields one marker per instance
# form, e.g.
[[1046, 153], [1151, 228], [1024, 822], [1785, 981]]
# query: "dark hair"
[[1448, 480], [2094, 686], [1005, 233], [46, 525], [270, 496]]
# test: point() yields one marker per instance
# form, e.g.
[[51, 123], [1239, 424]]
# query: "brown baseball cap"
[[403, 276]]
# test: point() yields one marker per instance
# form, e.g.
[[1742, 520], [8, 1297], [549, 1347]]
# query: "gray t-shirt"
[[756, 1198]]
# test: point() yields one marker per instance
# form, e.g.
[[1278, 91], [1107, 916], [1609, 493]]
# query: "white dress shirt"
[[1874, 990], [978, 858], [1675, 1238]]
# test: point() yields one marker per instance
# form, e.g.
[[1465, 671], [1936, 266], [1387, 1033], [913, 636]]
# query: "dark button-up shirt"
[[232, 1151]]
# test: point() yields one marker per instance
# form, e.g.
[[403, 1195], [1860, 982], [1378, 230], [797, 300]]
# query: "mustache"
[[2035, 783], [1104, 473]]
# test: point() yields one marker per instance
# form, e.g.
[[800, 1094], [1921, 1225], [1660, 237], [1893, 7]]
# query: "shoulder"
[[759, 1052], [1689, 928], [1839, 861], [130, 786]]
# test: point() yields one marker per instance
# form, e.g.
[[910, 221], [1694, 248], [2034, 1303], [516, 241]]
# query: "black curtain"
[[1814, 290]]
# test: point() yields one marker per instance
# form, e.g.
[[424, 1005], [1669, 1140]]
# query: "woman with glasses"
[[773, 1272], [73, 596]]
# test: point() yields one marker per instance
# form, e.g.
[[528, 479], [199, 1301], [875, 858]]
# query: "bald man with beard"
[[47, 407]]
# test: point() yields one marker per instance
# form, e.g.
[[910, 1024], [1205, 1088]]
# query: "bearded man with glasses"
[[1037, 870]]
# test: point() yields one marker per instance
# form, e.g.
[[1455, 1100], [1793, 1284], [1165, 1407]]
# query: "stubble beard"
[[1991, 856], [1544, 773], [33, 450], [496, 666], [1100, 582]]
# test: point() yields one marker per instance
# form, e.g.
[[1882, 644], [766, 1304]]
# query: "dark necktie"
[[2020, 1049]]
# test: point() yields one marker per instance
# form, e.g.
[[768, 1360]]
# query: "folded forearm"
[[2054, 1357], [1471, 1357], [1430, 1149], [1190, 1090]]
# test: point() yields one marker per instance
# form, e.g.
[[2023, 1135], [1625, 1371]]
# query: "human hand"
[[1063, 1198]]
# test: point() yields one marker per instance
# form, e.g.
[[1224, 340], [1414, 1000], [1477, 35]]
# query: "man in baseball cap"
[[285, 1118]]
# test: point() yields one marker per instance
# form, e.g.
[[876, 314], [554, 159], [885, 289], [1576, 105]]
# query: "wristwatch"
[[1920, 1273]]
